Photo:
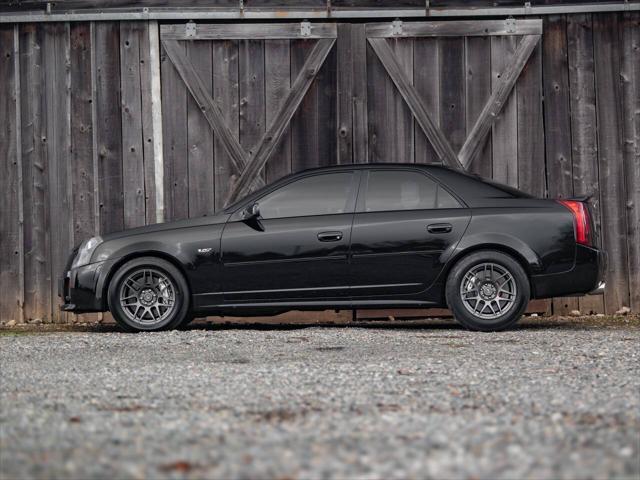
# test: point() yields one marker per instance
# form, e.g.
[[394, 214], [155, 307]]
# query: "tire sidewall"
[[456, 305], [182, 295]]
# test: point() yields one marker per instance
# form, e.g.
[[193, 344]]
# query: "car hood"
[[214, 219]]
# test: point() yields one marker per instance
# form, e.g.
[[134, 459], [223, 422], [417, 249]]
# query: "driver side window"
[[326, 194]]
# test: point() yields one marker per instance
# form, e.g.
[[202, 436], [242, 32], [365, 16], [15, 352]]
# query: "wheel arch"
[[132, 256]]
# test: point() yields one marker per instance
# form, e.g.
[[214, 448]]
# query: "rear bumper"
[[81, 289], [586, 277]]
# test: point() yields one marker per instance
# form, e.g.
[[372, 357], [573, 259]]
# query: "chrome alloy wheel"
[[488, 290], [147, 296]]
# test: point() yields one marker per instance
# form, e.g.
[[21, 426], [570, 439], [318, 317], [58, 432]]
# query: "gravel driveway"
[[550, 399]]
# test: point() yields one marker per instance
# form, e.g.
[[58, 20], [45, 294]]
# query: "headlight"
[[85, 251]]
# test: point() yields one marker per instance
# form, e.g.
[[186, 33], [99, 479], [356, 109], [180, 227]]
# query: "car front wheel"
[[487, 291], [148, 294]]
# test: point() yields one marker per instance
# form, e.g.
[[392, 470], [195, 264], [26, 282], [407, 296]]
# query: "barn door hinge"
[[305, 28], [190, 29], [396, 27], [510, 25]]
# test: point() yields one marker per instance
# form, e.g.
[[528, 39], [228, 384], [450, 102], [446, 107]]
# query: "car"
[[346, 237]]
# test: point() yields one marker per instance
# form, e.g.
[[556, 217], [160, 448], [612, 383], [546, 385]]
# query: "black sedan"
[[345, 237]]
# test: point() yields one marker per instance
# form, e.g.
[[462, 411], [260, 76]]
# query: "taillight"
[[581, 220]]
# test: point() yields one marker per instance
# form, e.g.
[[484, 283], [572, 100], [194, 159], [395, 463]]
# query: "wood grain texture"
[[243, 31], [174, 136], [58, 111], [456, 28], [478, 91], [277, 66], [345, 94], [584, 142], [148, 135], [108, 125], [505, 127], [610, 159], [200, 136], [226, 96], [452, 94], [426, 79], [360, 100], [629, 31], [531, 175], [35, 176], [133, 178], [410, 95], [272, 136], [10, 190]]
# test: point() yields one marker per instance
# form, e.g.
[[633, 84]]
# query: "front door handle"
[[439, 228], [330, 236]]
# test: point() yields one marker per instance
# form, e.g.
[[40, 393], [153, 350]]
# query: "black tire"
[[171, 317], [483, 286]]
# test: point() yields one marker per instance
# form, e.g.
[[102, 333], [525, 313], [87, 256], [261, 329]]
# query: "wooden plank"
[[174, 135], [505, 126], [209, 108], [108, 125], [435, 135], [251, 82], [35, 175], [557, 118], [277, 66], [399, 140], [478, 92], [147, 66], [200, 136], [610, 159], [243, 31], [378, 84], [456, 28], [556, 107], [58, 104], [326, 101], [10, 248], [272, 136], [426, 79], [583, 126], [630, 75], [503, 78], [452, 95], [345, 94], [304, 125], [131, 112], [360, 118], [531, 173], [226, 95]]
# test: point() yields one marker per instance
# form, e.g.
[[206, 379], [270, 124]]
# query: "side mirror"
[[251, 212]]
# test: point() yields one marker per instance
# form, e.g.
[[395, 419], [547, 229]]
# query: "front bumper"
[[586, 277], [81, 289]]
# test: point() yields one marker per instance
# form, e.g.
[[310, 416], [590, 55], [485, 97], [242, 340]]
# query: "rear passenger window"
[[404, 190]]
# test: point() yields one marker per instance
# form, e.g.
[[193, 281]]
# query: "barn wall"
[[77, 137]]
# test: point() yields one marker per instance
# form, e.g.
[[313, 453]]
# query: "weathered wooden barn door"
[[229, 94]]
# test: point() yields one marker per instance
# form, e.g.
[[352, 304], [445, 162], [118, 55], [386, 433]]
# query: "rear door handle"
[[330, 236], [439, 228]]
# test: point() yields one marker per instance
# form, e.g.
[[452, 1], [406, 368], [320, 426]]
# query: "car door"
[[297, 248], [404, 222]]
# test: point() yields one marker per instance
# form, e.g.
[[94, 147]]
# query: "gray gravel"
[[542, 401]]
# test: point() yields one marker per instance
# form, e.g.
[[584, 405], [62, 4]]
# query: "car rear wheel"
[[148, 294], [487, 291]]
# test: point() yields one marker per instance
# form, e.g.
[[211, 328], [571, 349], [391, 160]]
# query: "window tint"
[[317, 195], [403, 190]]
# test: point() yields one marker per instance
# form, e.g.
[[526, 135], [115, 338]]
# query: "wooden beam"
[[476, 137], [272, 136], [206, 103], [254, 31], [410, 95], [458, 28]]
